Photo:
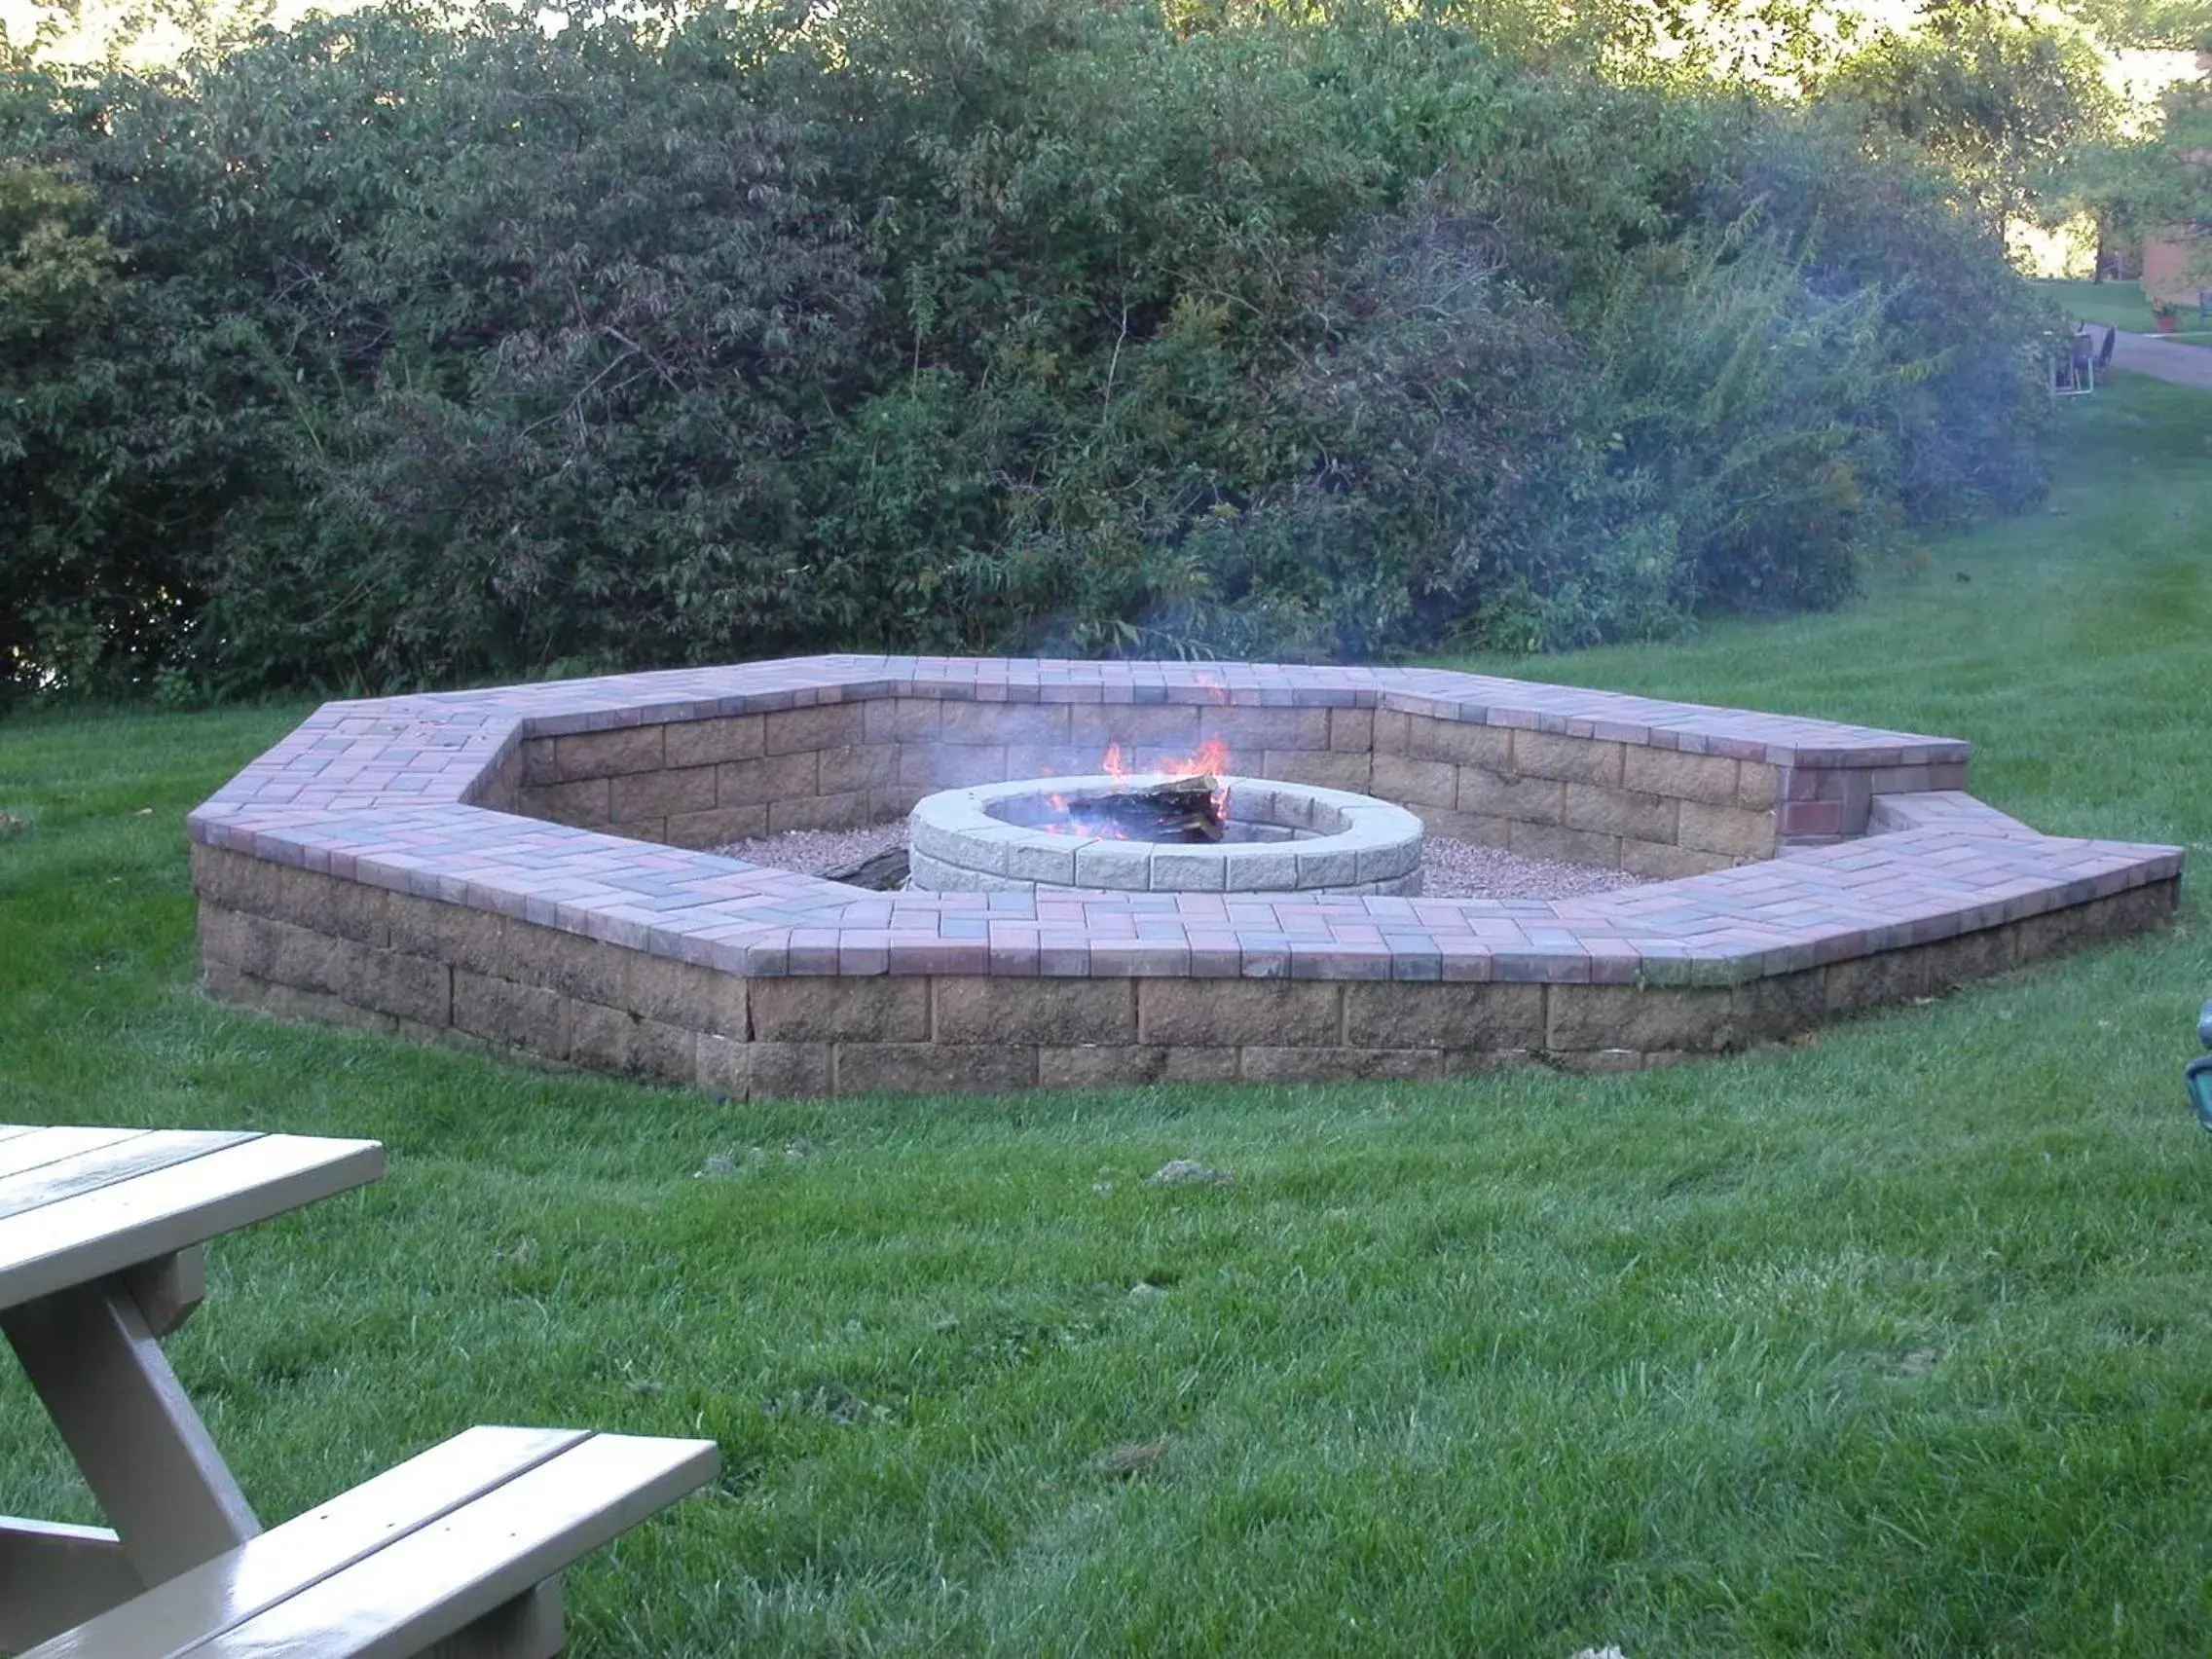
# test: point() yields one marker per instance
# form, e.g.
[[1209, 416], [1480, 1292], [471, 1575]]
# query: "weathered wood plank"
[[63, 1140], [289, 1558], [82, 1239], [455, 1571], [107, 1165]]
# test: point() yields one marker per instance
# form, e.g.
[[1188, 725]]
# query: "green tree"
[[2005, 102]]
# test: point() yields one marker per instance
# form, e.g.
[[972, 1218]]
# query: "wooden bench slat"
[[9, 1131], [80, 1239], [35, 1147], [464, 1566], [281, 1563], [104, 1167]]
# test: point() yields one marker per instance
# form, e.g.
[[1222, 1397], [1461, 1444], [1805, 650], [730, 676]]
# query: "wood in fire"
[[1180, 809]]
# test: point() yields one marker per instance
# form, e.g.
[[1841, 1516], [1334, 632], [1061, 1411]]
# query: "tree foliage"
[[2005, 102], [409, 347]]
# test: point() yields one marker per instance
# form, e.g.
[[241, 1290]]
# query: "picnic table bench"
[[458, 1551]]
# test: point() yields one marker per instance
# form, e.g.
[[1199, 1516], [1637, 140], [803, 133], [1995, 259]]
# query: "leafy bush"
[[408, 347]]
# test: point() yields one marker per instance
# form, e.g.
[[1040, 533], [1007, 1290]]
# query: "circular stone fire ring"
[[1279, 838]]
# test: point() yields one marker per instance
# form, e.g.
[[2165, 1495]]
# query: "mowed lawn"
[[2122, 305], [1899, 1341], [2117, 303]]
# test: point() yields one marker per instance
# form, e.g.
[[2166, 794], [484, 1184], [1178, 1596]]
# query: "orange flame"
[[1209, 759]]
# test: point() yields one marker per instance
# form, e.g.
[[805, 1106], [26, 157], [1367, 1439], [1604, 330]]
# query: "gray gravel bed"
[[1469, 870], [1450, 868]]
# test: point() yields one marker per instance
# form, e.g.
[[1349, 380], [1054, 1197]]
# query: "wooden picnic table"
[[457, 1553], [101, 1233]]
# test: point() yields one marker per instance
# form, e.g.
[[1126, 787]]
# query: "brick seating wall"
[[351, 876], [1656, 812], [302, 946]]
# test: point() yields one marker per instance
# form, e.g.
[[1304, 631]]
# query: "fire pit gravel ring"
[[1281, 838]]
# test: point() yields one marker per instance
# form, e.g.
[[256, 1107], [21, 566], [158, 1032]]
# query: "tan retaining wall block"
[[1004, 723], [1577, 759], [829, 725], [822, 1009], [602, 753], [1256, 729], [951, 767], [1065, 1012], [1496, 794], [934, 1068], [1118, 1065], [1416, 783], [613, 1039], [1461, 742], [1731, 829], [1759, 786], [1711, 778], [1215, 1014], [901, 719], [581, 804], [1618, 812], [1391, 1014], [458, 933], [867, 767], [657, 794], [1352, 730], [1259, 1064], [683, 993], [708, 743], [758, 783], [587, 969], [527, 1018], [1170, 726], [1324, 768]]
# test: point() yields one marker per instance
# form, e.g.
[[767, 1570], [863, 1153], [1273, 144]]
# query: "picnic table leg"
[[52, 1577], [92, 1355], [529, 1627], [169, 1291]]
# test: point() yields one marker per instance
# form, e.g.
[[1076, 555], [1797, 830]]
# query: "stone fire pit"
[[522, 868], [1016, 837]]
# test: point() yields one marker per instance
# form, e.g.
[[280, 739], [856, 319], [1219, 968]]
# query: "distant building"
[[2177, 265]]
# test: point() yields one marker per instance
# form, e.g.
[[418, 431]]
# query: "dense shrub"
[[406, 347]]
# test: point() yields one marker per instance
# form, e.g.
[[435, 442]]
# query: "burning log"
[[1177, 809]]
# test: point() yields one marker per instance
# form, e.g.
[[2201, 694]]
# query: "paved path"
[[2162, 359]]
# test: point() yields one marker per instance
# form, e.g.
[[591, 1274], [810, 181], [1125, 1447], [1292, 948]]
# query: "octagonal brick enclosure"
[[513, 868]]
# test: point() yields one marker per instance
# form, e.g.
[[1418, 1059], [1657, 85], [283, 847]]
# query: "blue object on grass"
[[2198, 1074]]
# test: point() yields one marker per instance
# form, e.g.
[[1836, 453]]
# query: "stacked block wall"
[[304, 945], [353, 874], [1656, 812]]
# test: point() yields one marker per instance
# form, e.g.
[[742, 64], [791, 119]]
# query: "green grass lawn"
[[2120, 305], [1894, 1342], [2109, 305]]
